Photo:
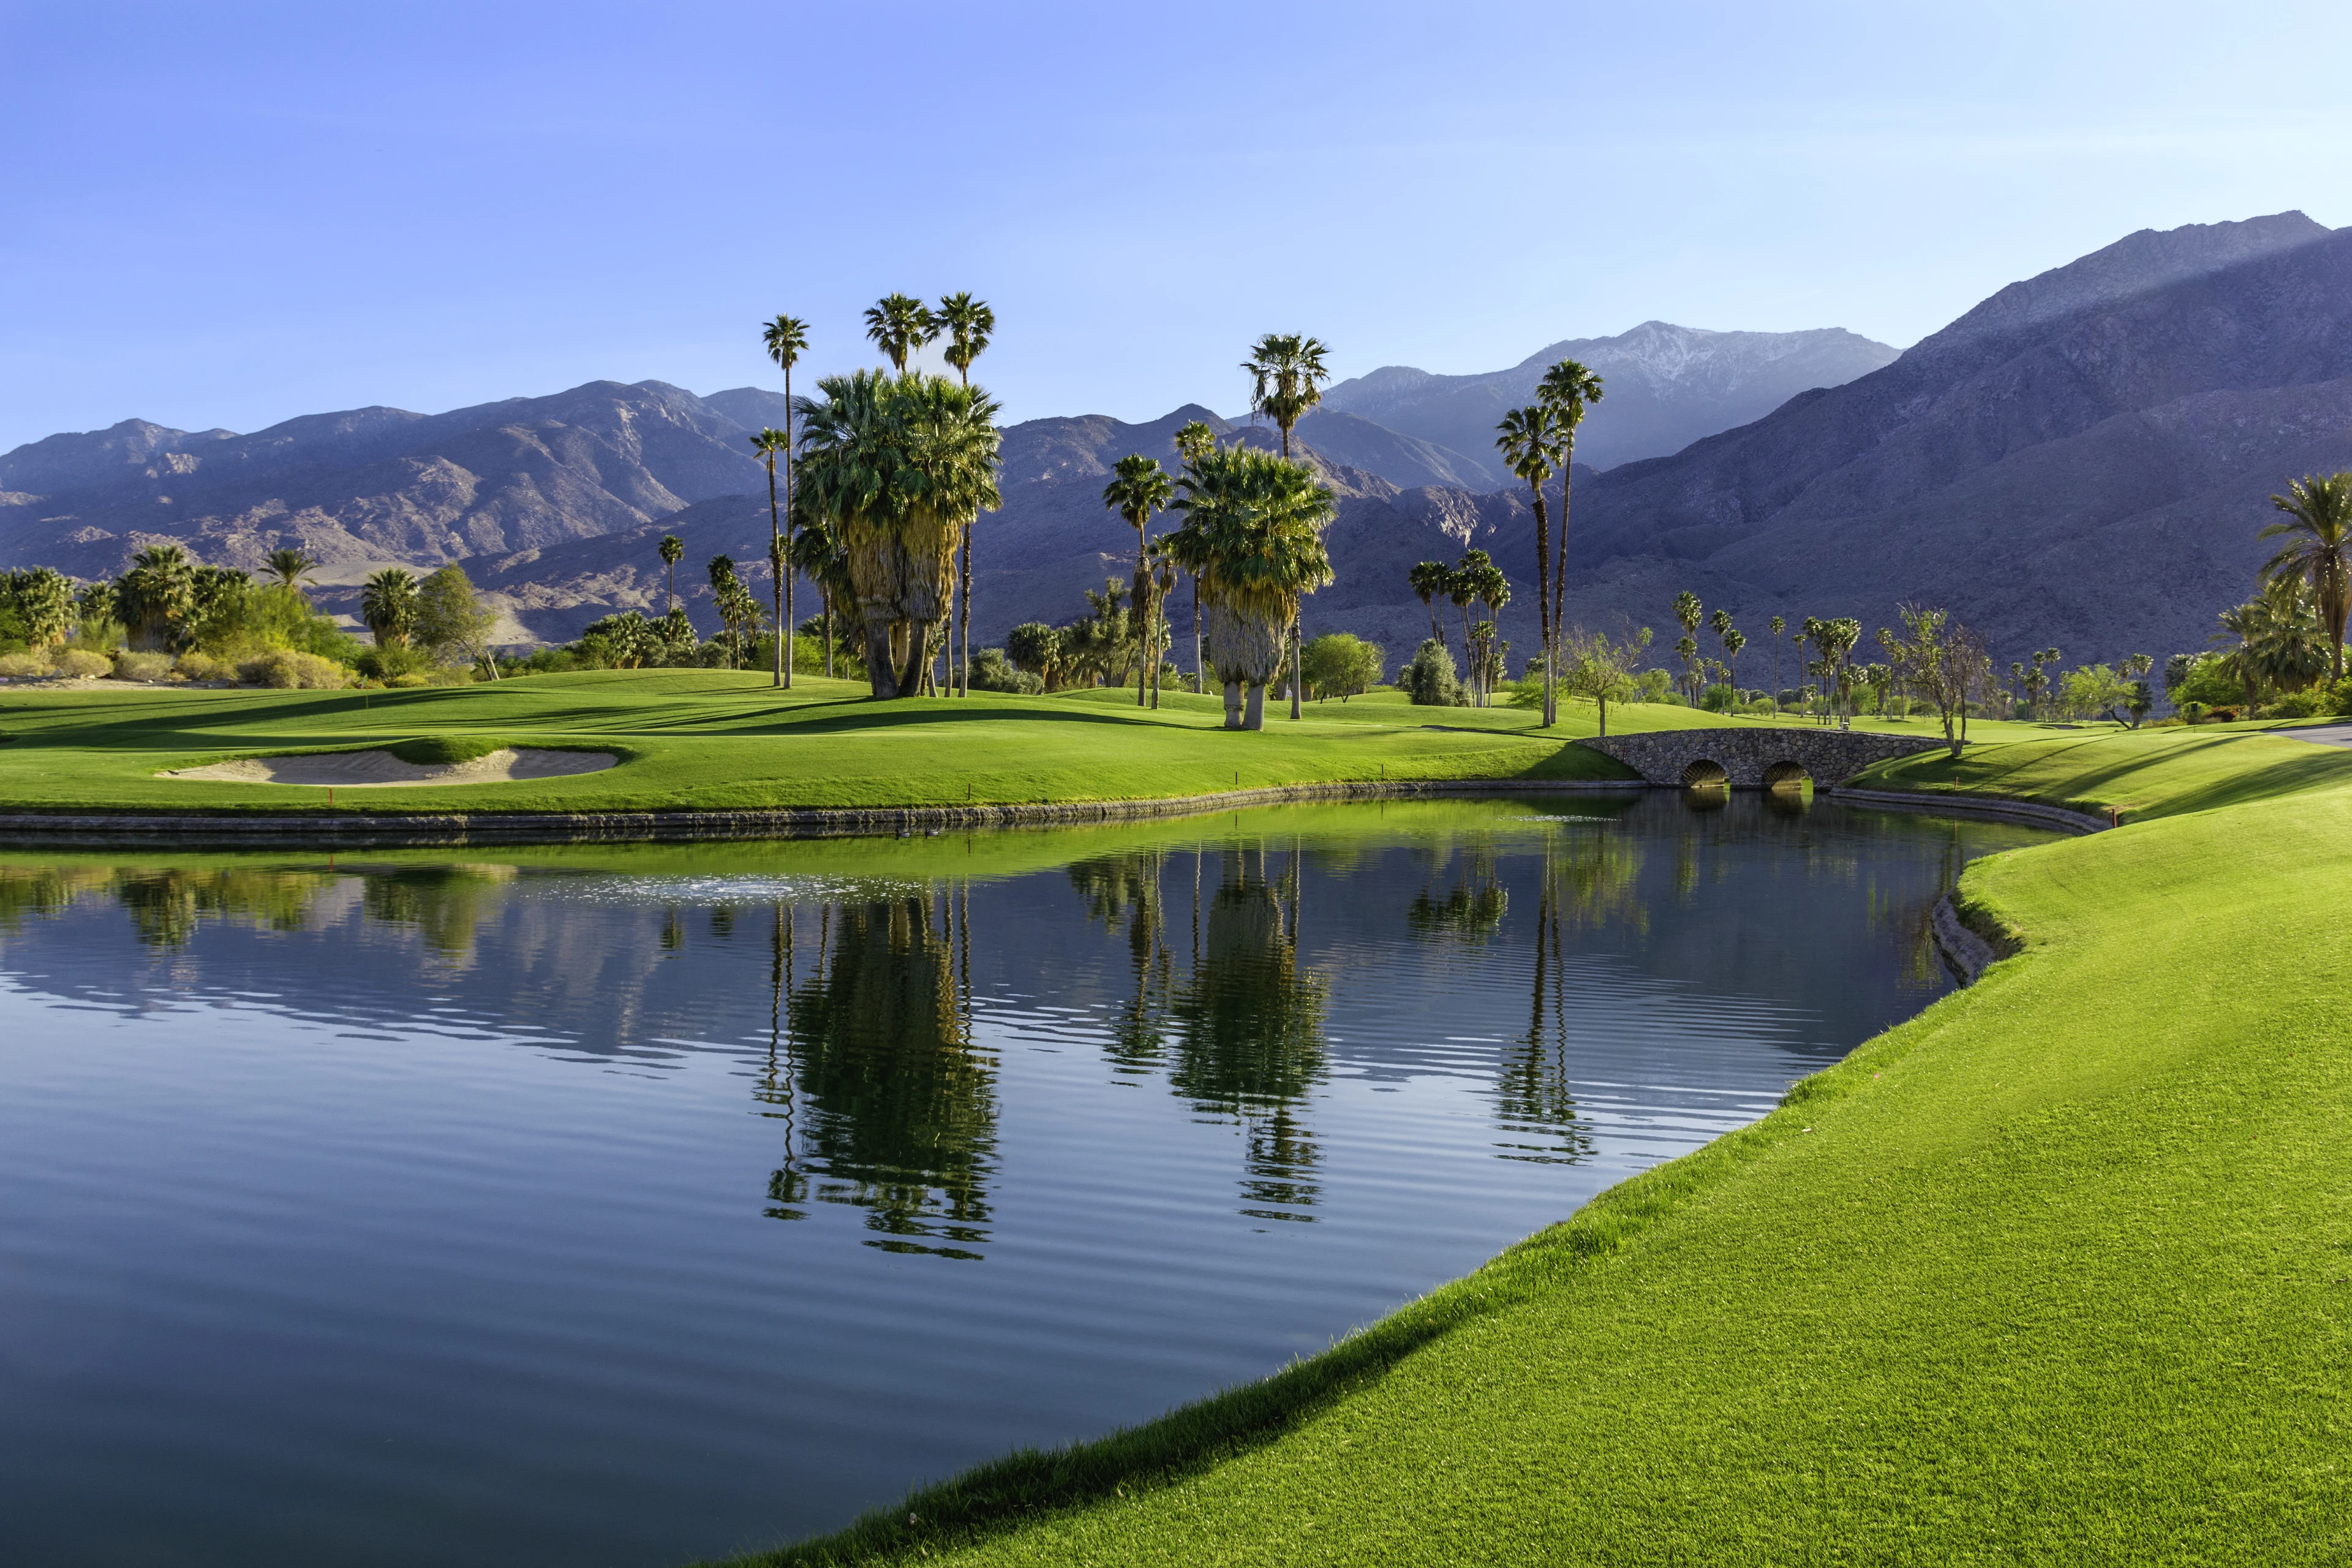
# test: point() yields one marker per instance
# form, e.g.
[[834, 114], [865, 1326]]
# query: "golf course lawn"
[[2060, 1271], [715, 740]]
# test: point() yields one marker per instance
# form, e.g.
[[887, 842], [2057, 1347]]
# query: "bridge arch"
[[1705, 773], [1787, 774]]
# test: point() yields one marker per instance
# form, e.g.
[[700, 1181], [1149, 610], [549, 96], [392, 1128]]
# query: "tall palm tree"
[[1494, 590], [1776, 625], [1734, 639], [2319, 551], [157, 595], [785, 339], [1568, 390], [1527, 439], [1284, 369], [899, 324], [292, 569], [969, 324], [815, 546], [1689, 613], [1253, 537], [726, 597], [1194, 440], [388, 607], [900, 466], [1428, 580], [672, 549], [1138, 487]]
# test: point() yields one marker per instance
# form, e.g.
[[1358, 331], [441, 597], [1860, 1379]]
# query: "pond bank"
[[2043, 1273]]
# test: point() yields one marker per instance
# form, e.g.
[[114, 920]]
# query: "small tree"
[[1944, 663], [1341, 664], [1036, 647], [451, 622], [1594, 665]]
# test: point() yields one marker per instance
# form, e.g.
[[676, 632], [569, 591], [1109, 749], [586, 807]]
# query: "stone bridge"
[[1757, 756]]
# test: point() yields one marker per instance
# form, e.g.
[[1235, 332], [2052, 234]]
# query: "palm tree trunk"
[[1254, 708], [963, 572], [919, 658], [881, 669], [1232, 704], [1543, 601], [776, 564], [784, 566], [1297, 663], [1559, 561], [1144, 642], [1200, 670]]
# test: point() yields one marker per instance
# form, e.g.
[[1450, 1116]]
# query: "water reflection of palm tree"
[[1586, 880], [1472, 910], [897, 1111], [1126, 886], [776, 1083], [1249, 1030], [444, 904]]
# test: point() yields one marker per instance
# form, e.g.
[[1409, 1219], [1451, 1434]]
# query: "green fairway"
[[712, 739], [2059, 1272]]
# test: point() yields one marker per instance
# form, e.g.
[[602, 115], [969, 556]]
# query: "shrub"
[[287, 671], [1762, 708], [18, 666], [204, 667], [992, 671], [444, 751], [388, 664], [1430, 679], [2308, 704], [1719, 699], [81, 664], [409, 680], [142, 666]]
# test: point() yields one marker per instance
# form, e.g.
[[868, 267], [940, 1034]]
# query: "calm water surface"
[[621, 1206]]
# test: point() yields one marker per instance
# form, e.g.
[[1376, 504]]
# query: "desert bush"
[[2308, 704], [288, 670], [1431, 677], [412, 680], [204, 667], [81, 664], [142, 666], [389, 664], [1761, 708], [18, 666]]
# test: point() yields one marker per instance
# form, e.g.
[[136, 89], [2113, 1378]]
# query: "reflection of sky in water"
[[470, 1212]]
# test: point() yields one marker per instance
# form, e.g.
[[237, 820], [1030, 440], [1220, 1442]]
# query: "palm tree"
[[1527, 439], [1194, 440], [673, 550], [388, 605], [900, 466], [1139, 487], [1568, 390], [292, 569], [969, 324], [814, 547], [1253, 538], [726, 598], [1494, 590], [1284, 368], [1689, 613], [2282, 641], [899, 324], [785, 339], [157, 595], [1428, 580], [2319, 532], [1734, 639], [1776, 625]]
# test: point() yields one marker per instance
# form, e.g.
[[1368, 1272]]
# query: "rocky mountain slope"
[[2083, 459], [1666, 387]]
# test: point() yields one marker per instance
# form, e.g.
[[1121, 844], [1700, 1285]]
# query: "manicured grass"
[[706, 738], [2060, 1271]]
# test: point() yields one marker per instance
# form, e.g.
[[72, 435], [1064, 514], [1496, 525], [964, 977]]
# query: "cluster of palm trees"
[[874, 495], [2292, 632], [1251, 539], [1473, 580]]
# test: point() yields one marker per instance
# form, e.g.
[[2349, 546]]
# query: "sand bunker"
[[361, 770]]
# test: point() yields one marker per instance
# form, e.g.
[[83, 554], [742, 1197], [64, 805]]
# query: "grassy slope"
[[2060, 1271], [708, 739]]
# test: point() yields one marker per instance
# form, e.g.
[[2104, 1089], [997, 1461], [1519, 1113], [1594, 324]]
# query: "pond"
[[623, 1205]]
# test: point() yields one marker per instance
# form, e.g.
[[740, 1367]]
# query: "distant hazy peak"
[[2136, 264]]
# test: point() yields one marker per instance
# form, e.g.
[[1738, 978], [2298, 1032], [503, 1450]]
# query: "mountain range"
[[2083, 459]]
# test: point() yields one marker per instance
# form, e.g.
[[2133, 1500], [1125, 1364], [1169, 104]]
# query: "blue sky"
[[229, 214]]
